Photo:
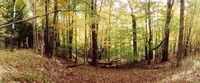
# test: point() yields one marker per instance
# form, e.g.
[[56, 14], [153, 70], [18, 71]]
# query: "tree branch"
[[19, 21], [158, 45]]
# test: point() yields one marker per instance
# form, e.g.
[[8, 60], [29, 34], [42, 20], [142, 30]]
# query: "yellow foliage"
[[4, 2], [61, 26], [62, 2], [2, 10], [69, 14]]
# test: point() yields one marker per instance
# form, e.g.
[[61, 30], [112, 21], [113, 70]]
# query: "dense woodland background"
[[102, 31]]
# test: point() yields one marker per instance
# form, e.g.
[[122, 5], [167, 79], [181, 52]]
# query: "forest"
[[99, 41]]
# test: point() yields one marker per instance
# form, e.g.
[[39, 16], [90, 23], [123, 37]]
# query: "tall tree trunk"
[[189, 32], [57, 35], [86, 38], [146, 37], [134, 35], [166, 30], [94, 34], [54, 28], [41, 40], [134, 31], [70, 49], [180, 41], [150, 51], [41, 36], [108, 42], [157, 50], [35, 31], [76, 48], [98, 25], [34, 28], [13, 27], [71, 32], [47, 30]]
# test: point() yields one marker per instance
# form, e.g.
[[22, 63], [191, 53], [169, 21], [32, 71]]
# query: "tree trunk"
[[134, 31], [108, 46], [70, 49], [41, 36], [34, 28], [189, 32], [94, 34], [134, 35], [180, 41], [47, 31], [53, 38], [98, 25], [150, 51], [166, 30], [76, 48], [174, 47], [146, 37], [157, 50], [13, 27], [86, 37]]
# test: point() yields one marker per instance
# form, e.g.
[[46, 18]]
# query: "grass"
[[28, 66]]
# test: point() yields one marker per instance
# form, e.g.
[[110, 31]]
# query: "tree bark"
[[189, 32], [166, 30], [47, 31], [34, 28], [70, 42], [146, 37], [13, 27], [134, 35], [53, 31], [150, 51], [134, 31], [108, 46], [180, 41], [76, 48], [86, 36], [94, 34]]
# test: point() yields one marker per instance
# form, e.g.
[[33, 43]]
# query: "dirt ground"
[[158, 73]]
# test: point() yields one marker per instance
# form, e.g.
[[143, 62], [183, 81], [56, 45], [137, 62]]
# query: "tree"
[[13, 27], [150, 51], [76, 49], [134, 31], [180, 40], [35, 35], [107, 40], [166, 30], [190, 26], [86, 32], [71, 28], [53, 39], [47, 51], [94, 33]]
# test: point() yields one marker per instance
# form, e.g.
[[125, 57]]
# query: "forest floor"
[[26, 66]]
